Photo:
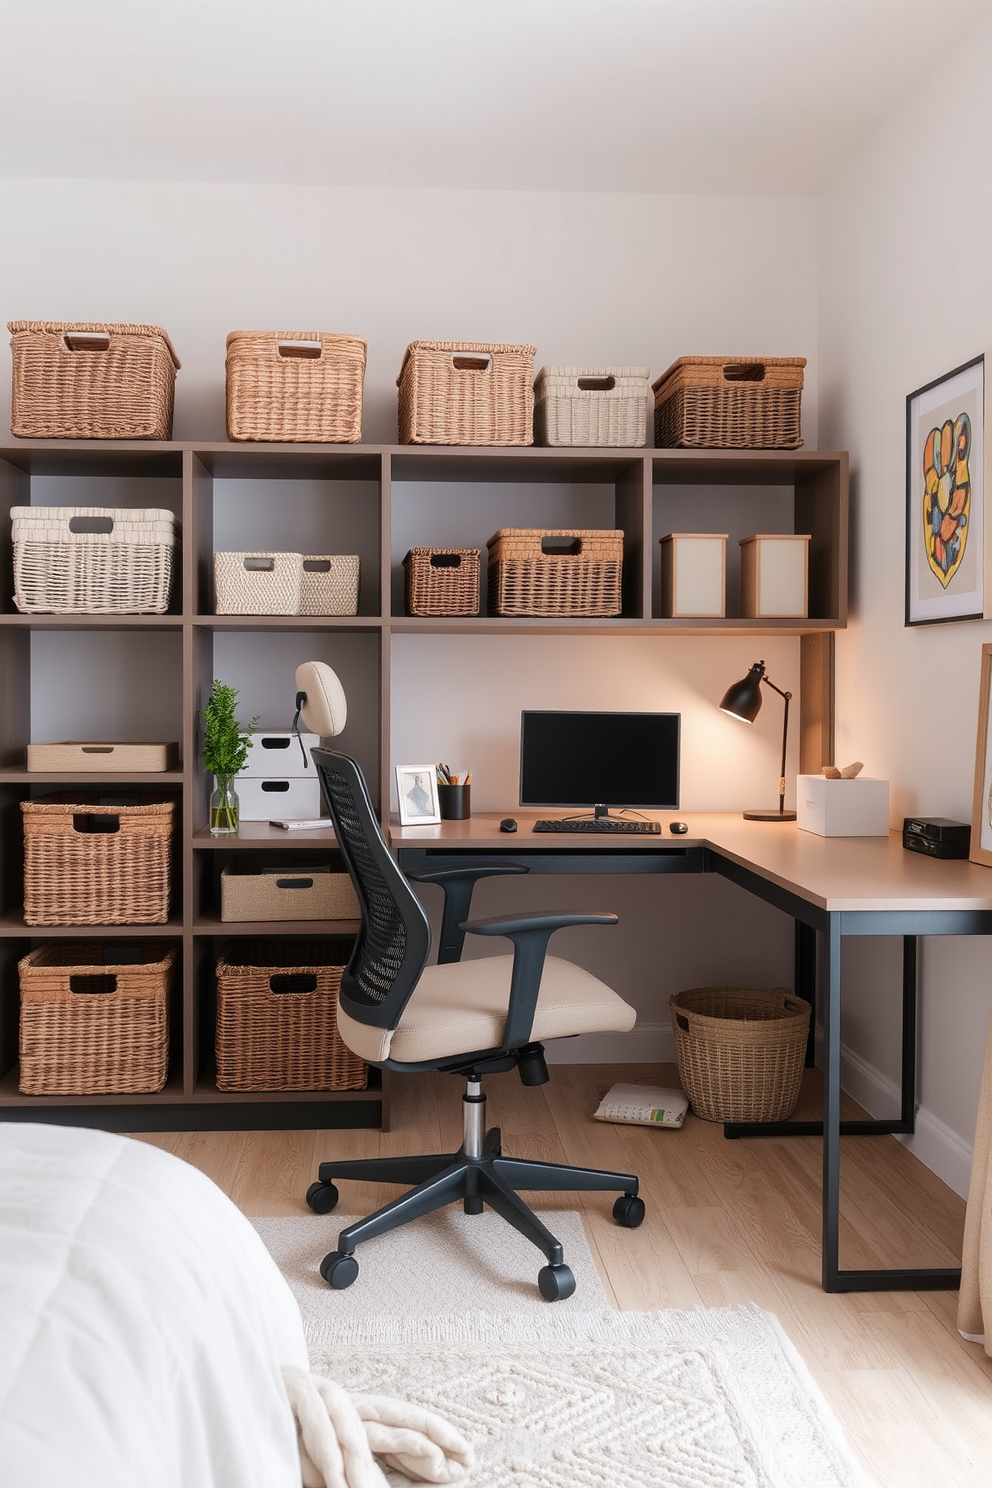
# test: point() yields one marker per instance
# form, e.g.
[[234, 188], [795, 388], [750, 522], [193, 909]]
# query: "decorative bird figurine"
[[848, 772]]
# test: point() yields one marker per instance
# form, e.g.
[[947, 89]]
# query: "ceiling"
[[721, 96]]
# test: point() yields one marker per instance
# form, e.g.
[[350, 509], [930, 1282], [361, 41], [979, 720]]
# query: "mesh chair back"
[[391, 949]]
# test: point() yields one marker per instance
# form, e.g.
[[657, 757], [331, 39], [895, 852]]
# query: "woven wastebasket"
[[740, 1051]]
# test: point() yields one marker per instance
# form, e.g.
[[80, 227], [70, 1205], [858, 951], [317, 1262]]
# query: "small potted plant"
[[225, 754]]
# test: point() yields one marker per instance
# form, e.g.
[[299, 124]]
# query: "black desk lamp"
[[743, 700]]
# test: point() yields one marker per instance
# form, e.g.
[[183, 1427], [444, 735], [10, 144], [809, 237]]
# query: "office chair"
[[466, 1017]]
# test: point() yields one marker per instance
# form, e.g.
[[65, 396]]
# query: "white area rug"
[[716, 1398], [447, 1262]]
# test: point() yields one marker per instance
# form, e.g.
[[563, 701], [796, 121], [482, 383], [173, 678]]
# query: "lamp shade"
[[743, 699]]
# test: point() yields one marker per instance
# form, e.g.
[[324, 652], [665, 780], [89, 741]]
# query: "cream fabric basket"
[[76, 560], [599, 406]]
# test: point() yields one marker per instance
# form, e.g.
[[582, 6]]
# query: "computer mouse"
[[508, 824], [678, 827]]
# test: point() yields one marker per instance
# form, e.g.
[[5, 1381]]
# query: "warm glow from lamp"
[[743, 700]]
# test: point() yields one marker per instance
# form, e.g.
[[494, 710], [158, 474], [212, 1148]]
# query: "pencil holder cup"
[[455, 802]]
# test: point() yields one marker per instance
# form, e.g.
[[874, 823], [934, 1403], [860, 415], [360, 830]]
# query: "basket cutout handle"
[[596, 384], [446, 560], [308, 349], [316, 565], [561, 545], [682, 1021], [294, 883], [479, 362], [93, 984], [96, 821], [293, 981], [261, 564], [87, 340], [744, 372], [91, 524], [97, 748], [275, 743], [275, 785]]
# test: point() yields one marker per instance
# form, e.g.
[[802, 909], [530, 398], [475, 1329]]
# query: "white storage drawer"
[[277, 752], [272, 797]]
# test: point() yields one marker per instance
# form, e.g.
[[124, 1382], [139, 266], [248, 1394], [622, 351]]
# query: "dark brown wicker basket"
[[94, 1019], [91, 380], [442, 581], [94, 860], [740, 1051], [729, 403], [277, 1017], [550, 571]]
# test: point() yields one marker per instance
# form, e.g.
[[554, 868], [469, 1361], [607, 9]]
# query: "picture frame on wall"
[[416, 795], [981, 806], [945, 498]]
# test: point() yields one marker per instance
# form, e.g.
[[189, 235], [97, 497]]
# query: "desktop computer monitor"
[[597, 760]]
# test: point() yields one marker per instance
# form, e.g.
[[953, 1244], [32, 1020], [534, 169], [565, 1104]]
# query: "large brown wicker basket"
[[729, 403], [91, 380], [94, 1019], [553, 571], [91, 859], [442, 581], [740, 1051], [277, 1018], [466, 392], [298, 386]]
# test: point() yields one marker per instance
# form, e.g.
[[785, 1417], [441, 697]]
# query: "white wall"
[[905, 296], [610, 279]]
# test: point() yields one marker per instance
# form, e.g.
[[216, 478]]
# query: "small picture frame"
[[416, 795], [945, 498], [981, 806]]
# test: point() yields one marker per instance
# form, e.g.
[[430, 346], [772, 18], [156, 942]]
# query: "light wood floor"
[[727, 1222]]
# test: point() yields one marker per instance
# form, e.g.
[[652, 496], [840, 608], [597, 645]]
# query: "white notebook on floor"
[[643, 1105]]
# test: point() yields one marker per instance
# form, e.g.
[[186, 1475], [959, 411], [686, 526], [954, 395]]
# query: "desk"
[[832, 887]]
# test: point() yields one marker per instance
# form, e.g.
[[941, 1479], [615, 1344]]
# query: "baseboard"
[[648, 1043]]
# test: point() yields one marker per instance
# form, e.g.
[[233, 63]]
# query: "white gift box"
[[842, 808], [277, 752], [272, 798]]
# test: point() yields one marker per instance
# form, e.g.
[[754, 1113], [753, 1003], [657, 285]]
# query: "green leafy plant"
[[225, 742]]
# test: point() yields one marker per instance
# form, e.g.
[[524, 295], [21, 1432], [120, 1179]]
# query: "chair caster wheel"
[[555, 1282], [322, 1197], [338, 1270], [628, 1211]]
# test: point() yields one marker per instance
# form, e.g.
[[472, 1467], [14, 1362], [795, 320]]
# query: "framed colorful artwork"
[[981, 805], [945, 498]]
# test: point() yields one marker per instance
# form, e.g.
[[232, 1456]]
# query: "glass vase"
[[224, 807]]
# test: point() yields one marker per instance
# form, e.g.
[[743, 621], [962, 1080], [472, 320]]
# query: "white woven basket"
[[330, 584], [258, 583], [601, 406], [93, 560]]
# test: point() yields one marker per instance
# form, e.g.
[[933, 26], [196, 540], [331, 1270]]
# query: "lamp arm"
[[785, 739]]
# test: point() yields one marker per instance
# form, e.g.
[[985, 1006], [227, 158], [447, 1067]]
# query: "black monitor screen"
[[600, 759]]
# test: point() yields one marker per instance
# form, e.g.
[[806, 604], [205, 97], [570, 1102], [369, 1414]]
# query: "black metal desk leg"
[[831, 1103]]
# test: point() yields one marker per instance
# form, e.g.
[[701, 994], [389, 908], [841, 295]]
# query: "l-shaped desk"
[[832, 887]]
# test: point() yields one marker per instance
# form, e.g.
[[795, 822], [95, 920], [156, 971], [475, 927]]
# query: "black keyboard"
[[597, 824]]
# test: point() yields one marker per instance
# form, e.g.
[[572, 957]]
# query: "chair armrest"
[[458, 883], [530, 933]]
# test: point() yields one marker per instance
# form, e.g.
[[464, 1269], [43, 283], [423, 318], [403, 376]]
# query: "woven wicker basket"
[[329, 584], [85, 560], [740, 1051], [300, 386], [729, 403], [94, 1019], [258, 583], [442, 581], [277, 1018], [91, 380], [603, 406], [471, 392], [90, 860], [551, 571]]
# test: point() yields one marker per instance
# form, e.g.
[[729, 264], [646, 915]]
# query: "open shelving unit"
[[61, 675]]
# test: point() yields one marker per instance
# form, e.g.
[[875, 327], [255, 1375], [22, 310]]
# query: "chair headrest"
[[321, 699]]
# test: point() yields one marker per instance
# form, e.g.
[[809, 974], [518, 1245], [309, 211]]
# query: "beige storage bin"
[[441, 581], [93, 560], [466, 392], [599, 406], [329, 584], [94, 1019], [300, 386], [729, 403], [98, 757], [694, 575], [553, 571], [775, 576], [740, 1050], [91, 380], [258, 583], [253, 887]]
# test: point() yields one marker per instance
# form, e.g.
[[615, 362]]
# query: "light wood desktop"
[[831, 886]]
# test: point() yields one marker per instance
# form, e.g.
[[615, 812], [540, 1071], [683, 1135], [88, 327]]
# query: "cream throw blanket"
[[975, 1299]]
